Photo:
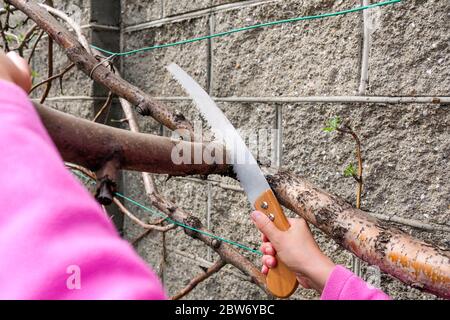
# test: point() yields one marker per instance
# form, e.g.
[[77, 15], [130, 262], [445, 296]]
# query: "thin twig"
[[75, 26], [33, 49], [140, 237], [81, 169], [26, 39], [359, 176], [359, 187], [56, 76], [50, 70], [106, 105], [216, 267], [125, 211]]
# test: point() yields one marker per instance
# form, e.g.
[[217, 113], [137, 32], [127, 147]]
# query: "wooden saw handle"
[[280, 281]]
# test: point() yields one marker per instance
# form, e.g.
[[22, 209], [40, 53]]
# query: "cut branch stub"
[[105, 191], [106, 181], [102, 74]]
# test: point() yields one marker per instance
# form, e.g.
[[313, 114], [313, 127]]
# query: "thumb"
[[22, 73], [264, 225]]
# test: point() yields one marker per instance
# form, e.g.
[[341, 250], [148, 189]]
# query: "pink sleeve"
[[55, 241], [344, 285]]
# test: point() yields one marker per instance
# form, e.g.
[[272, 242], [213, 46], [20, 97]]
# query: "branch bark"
[[410, 260], [87, 63], [91, 145]]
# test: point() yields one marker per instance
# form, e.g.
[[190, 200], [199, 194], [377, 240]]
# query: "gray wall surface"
[[395, 51]]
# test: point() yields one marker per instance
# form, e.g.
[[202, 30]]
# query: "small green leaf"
[[350, 171], [34, 74], [9, 38], [332, 124]]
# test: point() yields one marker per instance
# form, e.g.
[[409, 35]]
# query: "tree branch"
[[144, 225], [410, 260], [216, 267], [91, 145], [56, 76], [86, 62]]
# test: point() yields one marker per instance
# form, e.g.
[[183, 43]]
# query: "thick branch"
[[414, 262], [100, 73], [92, 145]]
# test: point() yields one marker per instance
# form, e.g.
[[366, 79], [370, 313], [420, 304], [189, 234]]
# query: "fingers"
[[269, 261], [264, 225], [268, 249], [21, 73], [264, 270]]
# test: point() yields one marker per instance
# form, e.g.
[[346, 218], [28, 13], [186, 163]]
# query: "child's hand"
[[297, 249], [15, 69]]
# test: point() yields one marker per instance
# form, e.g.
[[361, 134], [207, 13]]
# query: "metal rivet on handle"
[[271, 216], [264, 205]]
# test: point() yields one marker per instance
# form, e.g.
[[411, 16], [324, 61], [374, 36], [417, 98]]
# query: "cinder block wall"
[[405, 145], [267, 79]]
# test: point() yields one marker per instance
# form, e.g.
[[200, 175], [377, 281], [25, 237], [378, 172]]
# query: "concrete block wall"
[[283, 78], [393, 51]]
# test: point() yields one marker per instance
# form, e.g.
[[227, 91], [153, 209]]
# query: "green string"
[[236, 244], [155, 212], [256, 26]]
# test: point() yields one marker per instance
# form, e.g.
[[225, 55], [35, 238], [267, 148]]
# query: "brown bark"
[[412, 261], [100, 73], [92, 145]]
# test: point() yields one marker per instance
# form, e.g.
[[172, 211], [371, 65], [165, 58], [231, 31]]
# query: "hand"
[[15, 69], [297, 248]]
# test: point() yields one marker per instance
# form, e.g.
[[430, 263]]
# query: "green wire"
[[189, 227], [256, 26], [155, 212]]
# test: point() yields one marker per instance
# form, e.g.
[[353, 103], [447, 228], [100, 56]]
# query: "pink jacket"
[[56, 242]]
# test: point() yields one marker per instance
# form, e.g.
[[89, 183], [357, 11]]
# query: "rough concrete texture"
[[318, 57], [137, 11], [405, 146], [137, 68], [410, 49]]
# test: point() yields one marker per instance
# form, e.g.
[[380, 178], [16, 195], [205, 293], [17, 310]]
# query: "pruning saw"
[[280, 281]]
